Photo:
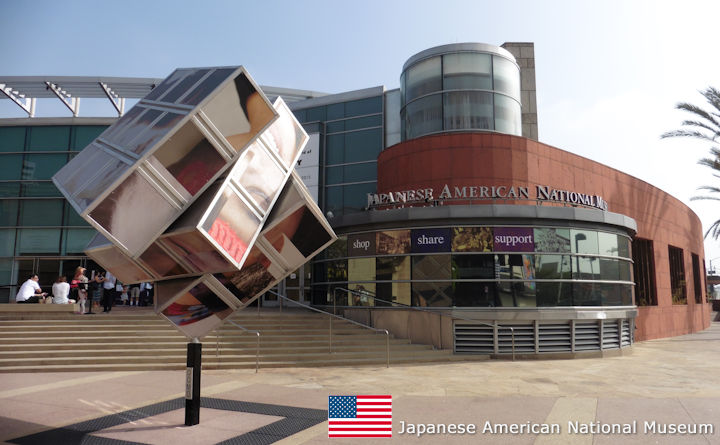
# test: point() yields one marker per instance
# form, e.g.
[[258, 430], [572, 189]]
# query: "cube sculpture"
[[164, 153], [205, 238], [208, 156]]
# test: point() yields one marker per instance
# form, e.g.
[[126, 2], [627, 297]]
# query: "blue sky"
[[608, 73]]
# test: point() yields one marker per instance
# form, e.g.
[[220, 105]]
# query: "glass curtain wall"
[[479, 267], [460, 91], [39, 231], [353, 139]]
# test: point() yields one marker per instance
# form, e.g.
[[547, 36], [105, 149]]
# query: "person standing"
[[79, 286], [108, 297], [135, 294], [30, 291]]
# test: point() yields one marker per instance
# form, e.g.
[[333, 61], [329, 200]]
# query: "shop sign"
[[430, 240], [513, 239], [361, 245]]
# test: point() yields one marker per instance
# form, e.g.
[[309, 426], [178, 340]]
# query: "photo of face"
[[258, 175], [285, 136]]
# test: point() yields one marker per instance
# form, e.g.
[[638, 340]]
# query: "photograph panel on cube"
[[216, 113], [196, 310]]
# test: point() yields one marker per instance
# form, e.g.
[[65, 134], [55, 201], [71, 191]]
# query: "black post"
[[192, 384]]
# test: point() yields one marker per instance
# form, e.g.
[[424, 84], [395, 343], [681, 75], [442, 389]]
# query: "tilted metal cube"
[[215, 233], [160, 156]]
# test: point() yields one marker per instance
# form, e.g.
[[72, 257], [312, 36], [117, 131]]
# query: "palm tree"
[[705, 126]]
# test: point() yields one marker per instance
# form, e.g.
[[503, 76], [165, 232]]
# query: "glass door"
[[295, 286]]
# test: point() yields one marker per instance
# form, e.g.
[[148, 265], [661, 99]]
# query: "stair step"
[[145, 341]]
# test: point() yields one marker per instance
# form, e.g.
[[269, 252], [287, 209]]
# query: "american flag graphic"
[[360, 416]]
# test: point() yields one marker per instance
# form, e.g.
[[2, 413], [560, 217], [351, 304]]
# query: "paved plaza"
[[661, 391]]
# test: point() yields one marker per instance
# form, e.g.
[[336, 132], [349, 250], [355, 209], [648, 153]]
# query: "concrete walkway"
[[658, 386]]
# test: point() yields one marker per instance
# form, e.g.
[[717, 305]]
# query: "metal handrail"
[[440, 313], [257, 347], [387, 333]]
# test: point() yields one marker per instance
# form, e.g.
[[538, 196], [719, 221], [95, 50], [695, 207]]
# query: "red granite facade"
[[477, 159]]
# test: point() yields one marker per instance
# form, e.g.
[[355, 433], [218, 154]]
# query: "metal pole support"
[[192, 383]]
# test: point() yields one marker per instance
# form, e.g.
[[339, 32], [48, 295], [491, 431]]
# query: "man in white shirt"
[[108, 291], [30, 291]]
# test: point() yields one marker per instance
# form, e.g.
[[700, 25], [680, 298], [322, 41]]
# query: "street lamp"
[[711, 269]]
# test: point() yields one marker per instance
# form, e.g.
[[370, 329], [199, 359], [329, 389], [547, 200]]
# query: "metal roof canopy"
[[25, 90]]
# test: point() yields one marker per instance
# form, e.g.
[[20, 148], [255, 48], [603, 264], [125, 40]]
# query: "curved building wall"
[[460, 87], [470, 161]]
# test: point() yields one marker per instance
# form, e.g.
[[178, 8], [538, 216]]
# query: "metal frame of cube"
[[163, 153]]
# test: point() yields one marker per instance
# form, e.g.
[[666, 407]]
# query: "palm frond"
[[709, 188], [687, 133], [704, 198], [714, 230], [694, 109], [713, 163], [715, 132], [713, 96]]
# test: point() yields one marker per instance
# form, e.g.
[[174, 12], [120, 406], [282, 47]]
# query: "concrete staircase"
[[128, 339]]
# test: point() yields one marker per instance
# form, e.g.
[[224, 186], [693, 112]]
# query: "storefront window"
[[586, 268], [361, 277], [476, 294], [584, 241], [552, 267], [554, 294], [394, 268], [474, 266]]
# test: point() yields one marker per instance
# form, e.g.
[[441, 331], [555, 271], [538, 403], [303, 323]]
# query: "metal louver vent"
[[587, 336], [555, 337], [524, 338], [611, 334], [626, 333], [535, 337], [474, 338]]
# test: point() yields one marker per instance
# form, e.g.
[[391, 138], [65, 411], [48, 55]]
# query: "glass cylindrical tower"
[[460, 87]]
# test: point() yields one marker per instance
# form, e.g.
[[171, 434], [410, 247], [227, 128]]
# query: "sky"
[[608, 73]]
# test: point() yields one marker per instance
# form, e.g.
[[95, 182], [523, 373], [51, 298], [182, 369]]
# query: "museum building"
[[443, 199]]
